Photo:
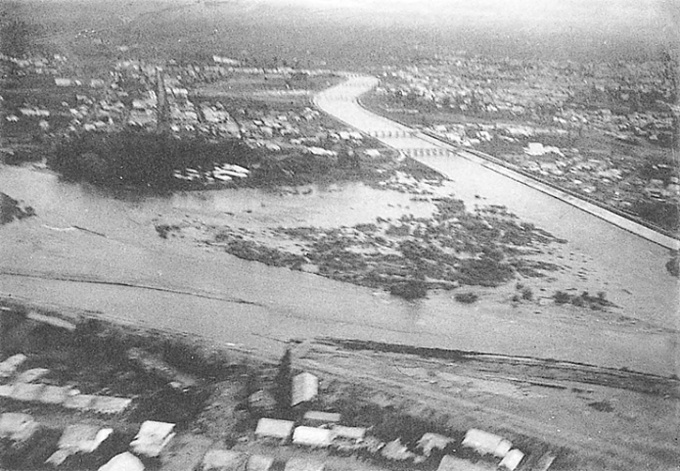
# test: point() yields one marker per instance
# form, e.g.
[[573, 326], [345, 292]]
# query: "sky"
[[631, 16]]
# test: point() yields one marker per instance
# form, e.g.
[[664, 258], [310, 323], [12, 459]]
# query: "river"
[[122, 270]]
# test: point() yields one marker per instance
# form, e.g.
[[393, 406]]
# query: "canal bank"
[[342, 101]]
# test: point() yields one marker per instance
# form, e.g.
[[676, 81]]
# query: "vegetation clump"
[[597, 302], [408, 256], [466, 298], [411, 289], [673, 266], [140, 158], [10, 209]]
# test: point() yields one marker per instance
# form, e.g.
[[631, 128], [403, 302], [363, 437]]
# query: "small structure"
[[27, 392], [351, 434], [156, 366], [274, 428], [487, 443], [152, 438], [223, 460], [78, 438], [262, 400], [123, 462], [17, 427], [10, 365], [544, 462], [433, 441], [301, 464], [32, 375], [305, 388], [396, 451], [452, 463], [259, 463], [80, 402], [54, 395], [110, 405], [312, 436], [51, 320], [511, 460], [313, 417]]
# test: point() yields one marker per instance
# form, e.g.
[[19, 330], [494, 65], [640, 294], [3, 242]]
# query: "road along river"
[[120, 269]]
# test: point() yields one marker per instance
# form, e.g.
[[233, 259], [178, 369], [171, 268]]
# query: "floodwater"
[[120, 269], [180, 287]]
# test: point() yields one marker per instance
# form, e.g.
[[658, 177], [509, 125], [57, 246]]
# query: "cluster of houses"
[[219, 173], [324, 430], [156, 443], [84, 438], [26, 387]]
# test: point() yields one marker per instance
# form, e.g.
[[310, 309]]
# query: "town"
[[268, 110], [606, 132]]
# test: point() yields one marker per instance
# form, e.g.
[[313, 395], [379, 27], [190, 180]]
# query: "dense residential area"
[[605, 131], [175, 126]]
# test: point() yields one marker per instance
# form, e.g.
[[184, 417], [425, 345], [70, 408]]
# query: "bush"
[[466, 298], [527, 294], [412, 289], [561, 297]]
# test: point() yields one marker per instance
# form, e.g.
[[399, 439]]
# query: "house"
[[152, 438], [433, 441], [312, 436], [16, 426], [396, 451], [487, 443], [274, 428], [452, 463], [10, 365], [109, 405], [351, 434], [223, 460], [259, 463], [261, 400], [78, 438], [321, 418], [123, 462], [511, 460], [301, 464], [304, 389]]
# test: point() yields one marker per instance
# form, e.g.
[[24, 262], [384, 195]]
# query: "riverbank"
[[393, 390]]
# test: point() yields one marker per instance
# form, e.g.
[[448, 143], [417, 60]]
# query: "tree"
[[284, 384], [15, 37]]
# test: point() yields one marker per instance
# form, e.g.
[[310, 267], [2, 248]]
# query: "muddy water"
[[229, 300], [629, 268]]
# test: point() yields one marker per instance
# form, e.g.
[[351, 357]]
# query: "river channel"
[[122, 270]]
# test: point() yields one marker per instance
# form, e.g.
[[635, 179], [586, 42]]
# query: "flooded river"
[[120, 269]]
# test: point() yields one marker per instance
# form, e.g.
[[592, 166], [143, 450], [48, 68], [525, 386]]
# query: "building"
[[274, 428], [305, 388], [486, 443], [312, 437]]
